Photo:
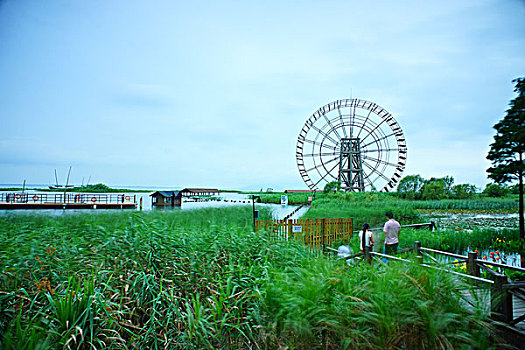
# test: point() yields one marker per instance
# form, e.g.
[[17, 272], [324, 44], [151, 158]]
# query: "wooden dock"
[[503, 298], [19, 200]]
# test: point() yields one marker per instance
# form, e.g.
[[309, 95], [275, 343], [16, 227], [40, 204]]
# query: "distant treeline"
[[96, 188]]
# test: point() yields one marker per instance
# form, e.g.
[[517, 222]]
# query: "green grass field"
[[202, 279]]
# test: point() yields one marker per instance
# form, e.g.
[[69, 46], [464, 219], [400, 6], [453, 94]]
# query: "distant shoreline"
[[97, 188]]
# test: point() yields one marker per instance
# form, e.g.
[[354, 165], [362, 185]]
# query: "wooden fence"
[[315, 233], [502, 290]]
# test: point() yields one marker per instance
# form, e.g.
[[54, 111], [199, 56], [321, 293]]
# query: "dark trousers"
[[391, 249]]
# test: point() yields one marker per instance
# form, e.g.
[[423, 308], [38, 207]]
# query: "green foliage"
[[293, 198], [514, 189], [434, 189], [363, 207], [507, 150], [333, 186], [414, 187], [463, 191], [25, 333], [496, 190], [437, 188], [95, 188], [455, 241], [327, 305], [202, 279], [410, 186], [174, 279]]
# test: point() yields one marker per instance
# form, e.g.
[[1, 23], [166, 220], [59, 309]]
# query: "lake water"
[[225, 199], [470, 221]]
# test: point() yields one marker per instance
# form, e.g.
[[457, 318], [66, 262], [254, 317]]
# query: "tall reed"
[[202, 279], [331, 306]]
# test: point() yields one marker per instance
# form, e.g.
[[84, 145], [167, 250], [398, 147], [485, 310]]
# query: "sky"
[[174, 94]]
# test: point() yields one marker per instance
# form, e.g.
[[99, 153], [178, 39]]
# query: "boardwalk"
[[482, 298], [19, 200], [499, 297]]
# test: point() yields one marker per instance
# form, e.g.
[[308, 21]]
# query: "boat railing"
[[73, 198]]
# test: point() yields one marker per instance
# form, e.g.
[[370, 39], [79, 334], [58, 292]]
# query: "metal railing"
[[68, 198], [431, 226]]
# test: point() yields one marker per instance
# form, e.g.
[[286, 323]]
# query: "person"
[[366, 237], [391, 230]]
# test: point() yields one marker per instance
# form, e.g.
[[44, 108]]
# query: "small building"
[[190, 192], [166, 199]]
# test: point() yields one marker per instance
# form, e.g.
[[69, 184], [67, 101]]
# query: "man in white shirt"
[[391, 230]]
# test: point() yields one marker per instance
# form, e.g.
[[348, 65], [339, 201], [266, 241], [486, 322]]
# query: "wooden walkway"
[[19, 200], [9, 206], [502, 298], [482, 296]]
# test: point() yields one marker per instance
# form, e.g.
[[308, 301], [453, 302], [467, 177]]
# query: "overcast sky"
[[175, 94]]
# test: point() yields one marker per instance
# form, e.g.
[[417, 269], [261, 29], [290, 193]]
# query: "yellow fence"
[[315, 233]]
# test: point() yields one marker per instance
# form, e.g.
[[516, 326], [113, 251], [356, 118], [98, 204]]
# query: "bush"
[[496, 190]]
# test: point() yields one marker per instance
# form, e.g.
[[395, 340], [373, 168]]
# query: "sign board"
[[309, 198], [297, 229], [284, 200]]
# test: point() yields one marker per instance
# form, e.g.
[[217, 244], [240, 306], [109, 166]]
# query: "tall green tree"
[[507, 151], [333, 186], [410, 186], [463, 191]]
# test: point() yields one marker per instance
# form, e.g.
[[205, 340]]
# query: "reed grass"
[[363, 208], [293, 198], [327, 305], [178, 279], [202, 279]]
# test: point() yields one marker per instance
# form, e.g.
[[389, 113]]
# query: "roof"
[[166, 193], [196, 190]]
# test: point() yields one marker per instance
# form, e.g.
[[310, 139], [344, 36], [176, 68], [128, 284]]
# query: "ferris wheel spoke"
[[324, 134], [379, 139], [332, 127], [322, 164], [379, 161], [366, 178], [342, 122], [315, 143], [377, 172], [364, 123], [352, 115], [326, 174], [320, 154], [374, 129], [380, 150]]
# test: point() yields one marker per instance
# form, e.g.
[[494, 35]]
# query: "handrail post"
[[323, 231], [417, 252], [472, 266], [368, 256], [417, 247], [500, 300]]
